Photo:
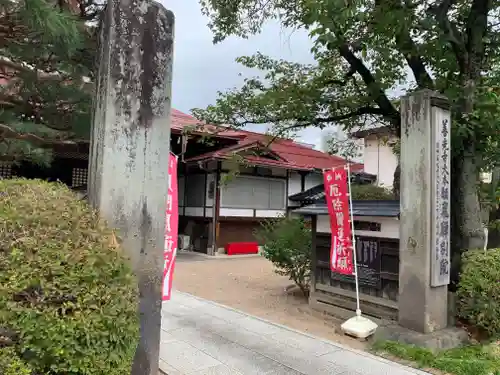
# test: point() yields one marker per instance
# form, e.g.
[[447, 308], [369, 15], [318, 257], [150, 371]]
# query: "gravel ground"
[[249, 284]]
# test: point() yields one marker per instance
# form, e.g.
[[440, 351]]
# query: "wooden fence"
[[378, 268]]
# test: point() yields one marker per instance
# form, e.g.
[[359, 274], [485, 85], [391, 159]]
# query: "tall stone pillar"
[[425, 212], [130, 144]]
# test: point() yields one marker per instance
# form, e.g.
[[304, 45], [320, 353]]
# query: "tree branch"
[[378, 95], [7, 132], [450, 30], [9, 65], [304, 123], [414, 61], [319, 121], [348, 75], [476, 28], [406, 45]]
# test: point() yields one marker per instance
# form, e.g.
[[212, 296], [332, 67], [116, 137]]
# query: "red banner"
[[171, 228], [337, 199]]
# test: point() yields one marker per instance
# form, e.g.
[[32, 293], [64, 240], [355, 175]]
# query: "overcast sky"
[[201, 69]]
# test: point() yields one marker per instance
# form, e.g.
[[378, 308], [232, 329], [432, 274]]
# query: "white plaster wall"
[[379, 159], [235, 212], [193, 211], [269, 213], [313, 179], [294, 184], [389, 226]]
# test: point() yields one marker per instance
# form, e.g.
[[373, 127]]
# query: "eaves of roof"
[[385, 208]]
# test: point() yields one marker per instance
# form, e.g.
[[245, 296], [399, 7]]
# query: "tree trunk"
[[467, 229], [494, 214], [397, 181]]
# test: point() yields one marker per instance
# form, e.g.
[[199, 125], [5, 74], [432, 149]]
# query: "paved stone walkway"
[[200, 337]]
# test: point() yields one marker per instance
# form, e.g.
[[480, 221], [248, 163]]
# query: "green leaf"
[[68, 296]]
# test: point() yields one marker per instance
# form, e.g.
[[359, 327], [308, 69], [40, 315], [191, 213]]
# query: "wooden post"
[[216, 210], [314, 253]]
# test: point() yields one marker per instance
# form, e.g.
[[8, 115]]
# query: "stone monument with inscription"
[[129, 154], [424, 250]]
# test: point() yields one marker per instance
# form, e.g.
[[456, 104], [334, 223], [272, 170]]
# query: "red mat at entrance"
[[235, 248]]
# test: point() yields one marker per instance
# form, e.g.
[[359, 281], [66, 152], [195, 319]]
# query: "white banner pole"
[[357, 326], [354, 255]]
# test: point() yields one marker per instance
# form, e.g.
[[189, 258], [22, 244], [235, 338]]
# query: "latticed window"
[[79, 177], [5, 169]]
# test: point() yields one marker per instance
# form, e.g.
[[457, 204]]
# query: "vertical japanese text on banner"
[[337, 199], [171, 228]]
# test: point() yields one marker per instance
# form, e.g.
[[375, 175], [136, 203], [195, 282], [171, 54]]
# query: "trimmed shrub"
[[478, 291], [68, 297], [287, 244], [371, 192]]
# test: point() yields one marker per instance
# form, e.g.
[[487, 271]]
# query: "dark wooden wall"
[[378, 267], [61, 169]]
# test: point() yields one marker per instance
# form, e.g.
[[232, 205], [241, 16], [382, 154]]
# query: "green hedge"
[[371, 192], [479, 290], [67, 296]]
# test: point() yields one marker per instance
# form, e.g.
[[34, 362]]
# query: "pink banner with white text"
[[337, 199], [171, 228]]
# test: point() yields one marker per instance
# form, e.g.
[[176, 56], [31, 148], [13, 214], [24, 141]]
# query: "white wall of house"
[[241, 195], [379, 159], [294, 183], [389, 226], [313, 179]]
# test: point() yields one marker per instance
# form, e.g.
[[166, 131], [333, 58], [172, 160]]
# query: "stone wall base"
[[447, 338]]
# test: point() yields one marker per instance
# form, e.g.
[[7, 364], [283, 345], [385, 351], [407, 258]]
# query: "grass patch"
[[467, 360]]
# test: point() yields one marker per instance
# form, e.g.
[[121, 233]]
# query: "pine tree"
[[46, 60]]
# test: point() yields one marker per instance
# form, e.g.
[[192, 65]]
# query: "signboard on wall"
[[440, 246], [369, 263], [171, 228]]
